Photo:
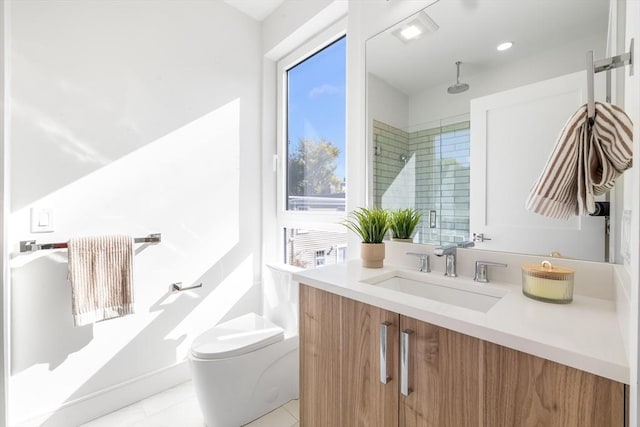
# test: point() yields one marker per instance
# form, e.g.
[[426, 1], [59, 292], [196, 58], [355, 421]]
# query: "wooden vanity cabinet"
[[339, 362], [320, 358], [524, 390], [444, 377], [340, 379], [454, 379], [367, 401]]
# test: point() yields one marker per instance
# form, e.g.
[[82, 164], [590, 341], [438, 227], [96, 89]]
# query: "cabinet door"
[[320, 358], [444, 377], [367, 400], [525, 390]]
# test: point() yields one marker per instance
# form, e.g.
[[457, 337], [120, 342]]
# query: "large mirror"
[[461, 130]]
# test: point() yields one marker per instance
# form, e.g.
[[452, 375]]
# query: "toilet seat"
[[237, 336]]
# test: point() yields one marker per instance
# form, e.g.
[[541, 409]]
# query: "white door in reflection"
[[512, 135]]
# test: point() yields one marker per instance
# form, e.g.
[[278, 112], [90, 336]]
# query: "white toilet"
[[248, 366]]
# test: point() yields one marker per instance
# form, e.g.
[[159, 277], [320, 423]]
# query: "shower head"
[[458, 87]]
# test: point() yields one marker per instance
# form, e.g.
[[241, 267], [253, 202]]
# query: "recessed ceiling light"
[[504, 46]]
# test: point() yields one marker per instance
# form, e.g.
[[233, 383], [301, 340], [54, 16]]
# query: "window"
[[315, 131], [311, 150], [314, 248]]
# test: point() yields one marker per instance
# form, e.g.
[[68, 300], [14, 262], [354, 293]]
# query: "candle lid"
[[547, 270]]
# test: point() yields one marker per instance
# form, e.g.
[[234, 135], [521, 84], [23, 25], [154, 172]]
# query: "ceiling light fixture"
[[504, 46], [411, 32], [415, 27]]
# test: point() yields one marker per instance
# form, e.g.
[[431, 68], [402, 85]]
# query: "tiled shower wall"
[[390, 144], [442, 181], [438, 160]]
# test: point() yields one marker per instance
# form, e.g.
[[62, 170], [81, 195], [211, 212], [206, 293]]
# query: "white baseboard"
[[94, 405]]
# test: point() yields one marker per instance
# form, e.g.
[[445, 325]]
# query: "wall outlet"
[[41, 220]]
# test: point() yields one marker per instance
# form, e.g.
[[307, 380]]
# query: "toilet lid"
[[235, 337]]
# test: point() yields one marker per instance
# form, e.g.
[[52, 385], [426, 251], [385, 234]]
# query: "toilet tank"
[[280, 296]]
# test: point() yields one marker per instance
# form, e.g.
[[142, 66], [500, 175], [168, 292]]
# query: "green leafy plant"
[[370, 224], [403, 222]]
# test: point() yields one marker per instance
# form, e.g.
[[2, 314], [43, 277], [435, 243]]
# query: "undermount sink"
[[424, 285]]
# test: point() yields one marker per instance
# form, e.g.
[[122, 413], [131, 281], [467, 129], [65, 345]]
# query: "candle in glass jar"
[[547, 282]]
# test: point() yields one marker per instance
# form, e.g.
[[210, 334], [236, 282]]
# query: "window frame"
[[344, 249], [311, 220], [320, 255]]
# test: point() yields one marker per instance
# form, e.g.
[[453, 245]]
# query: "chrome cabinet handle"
[[384, 378], [404, 362]]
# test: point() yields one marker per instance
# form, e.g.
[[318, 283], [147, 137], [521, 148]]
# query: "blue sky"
[[316, 103]]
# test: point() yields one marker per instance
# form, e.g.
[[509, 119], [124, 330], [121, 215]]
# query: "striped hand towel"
[[587, 159], [101, 273]]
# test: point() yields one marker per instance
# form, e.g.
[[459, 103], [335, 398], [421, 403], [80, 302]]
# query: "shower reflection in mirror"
[[426, 167]]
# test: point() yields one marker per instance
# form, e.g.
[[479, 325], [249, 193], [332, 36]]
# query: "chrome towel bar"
[[32, 246], [179, 287]]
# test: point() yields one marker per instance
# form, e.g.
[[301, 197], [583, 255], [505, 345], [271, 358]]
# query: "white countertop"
[[583, 334]]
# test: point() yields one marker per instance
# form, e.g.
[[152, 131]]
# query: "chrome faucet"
[[449, 253], [444, 250], [424, 261], [481, 270], [467, 244]]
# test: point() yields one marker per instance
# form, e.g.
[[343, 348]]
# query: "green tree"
[[312, 167]]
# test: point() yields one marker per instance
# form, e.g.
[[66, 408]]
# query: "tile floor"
[[177, 407]]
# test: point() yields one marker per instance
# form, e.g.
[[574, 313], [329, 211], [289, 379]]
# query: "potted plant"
[[371, 225], [403, 223]]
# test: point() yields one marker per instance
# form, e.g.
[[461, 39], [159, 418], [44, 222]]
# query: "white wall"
[[293, 22], [388, 105], [130, 117]]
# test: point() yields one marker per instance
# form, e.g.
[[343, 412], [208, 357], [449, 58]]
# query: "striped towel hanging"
[[101, 276], [588, 157]]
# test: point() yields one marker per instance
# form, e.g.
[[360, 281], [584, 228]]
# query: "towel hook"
[[594, 67], [591, 105]]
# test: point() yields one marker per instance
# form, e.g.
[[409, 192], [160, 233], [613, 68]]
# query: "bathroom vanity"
[[375, 355], [397, 347]]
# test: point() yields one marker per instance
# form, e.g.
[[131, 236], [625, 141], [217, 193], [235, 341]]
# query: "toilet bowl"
[[243, 369]]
